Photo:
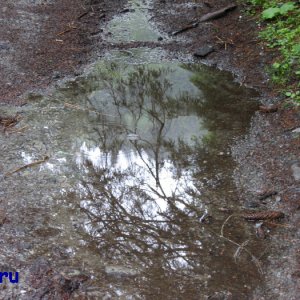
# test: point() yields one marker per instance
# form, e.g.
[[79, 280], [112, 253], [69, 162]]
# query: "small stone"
[[56, 75], [4, 46], [204, 51], [120, 271], [296, 171], [252, 204], [297, 130]]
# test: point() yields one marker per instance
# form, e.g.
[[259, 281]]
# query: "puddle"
[[137, 185], [132, 25], [139, 168]]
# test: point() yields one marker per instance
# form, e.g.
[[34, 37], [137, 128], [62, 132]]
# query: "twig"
[[238, 250], [222, 228], [82, 15], [254, 258], [27, 166], [225, 42], [17, 130], [71, 27], [240, 246]]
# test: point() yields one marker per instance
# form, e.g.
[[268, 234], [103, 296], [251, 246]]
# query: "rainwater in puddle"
[[137, 185], [132, 24]]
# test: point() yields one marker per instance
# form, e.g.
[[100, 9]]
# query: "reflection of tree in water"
[[226, 107], [136, 216]]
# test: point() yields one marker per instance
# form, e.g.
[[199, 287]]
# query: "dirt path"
[[269, 156], [44, 41]]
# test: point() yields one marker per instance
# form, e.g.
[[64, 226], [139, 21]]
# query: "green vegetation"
[[282, 31]]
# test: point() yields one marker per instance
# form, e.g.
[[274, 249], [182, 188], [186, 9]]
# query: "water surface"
[[138, 181]]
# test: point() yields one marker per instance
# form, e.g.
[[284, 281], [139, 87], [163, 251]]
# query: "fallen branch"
[[193, 25], [217, 14], [210, 16], [27, 166], [83, 14], [71, 27]]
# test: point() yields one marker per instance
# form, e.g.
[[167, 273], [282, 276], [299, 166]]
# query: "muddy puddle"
[[132, 186], [132, 24]]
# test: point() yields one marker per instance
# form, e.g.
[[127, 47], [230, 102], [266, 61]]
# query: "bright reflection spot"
[[138, 165], [27, 158]]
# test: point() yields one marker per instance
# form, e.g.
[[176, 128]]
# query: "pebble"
[[204, 51], [297, 130], [120, 271], [296, 171]]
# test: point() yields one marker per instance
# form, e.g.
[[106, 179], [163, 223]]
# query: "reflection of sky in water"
[[108, 162], [135, 165], [27, 158]]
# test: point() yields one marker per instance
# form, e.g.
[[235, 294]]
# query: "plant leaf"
[[270, 13], [285, 8], [296, 49]]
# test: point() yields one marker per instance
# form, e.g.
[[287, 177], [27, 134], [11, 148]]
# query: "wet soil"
[[43, 41], [267, 157]]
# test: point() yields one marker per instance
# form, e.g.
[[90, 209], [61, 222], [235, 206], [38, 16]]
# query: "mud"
[[267, 158], [44, 41]]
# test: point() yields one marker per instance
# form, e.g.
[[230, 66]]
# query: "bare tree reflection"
[[143, 200]]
